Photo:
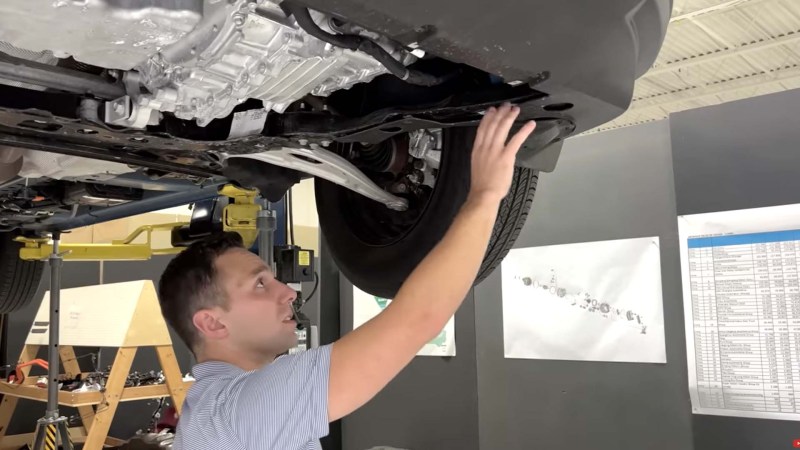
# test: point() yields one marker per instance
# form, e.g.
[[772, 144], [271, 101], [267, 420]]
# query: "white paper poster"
[[741, 300], [366, 306], [594, 301]]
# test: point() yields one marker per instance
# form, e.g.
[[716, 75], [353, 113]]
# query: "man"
[[236, 318]]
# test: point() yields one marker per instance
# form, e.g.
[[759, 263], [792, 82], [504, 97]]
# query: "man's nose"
[[290, 294]]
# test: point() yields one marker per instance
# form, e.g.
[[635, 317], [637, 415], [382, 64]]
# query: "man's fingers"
[[480, 136], [491, 126], [495, 126], [504, 124], [519, 138]]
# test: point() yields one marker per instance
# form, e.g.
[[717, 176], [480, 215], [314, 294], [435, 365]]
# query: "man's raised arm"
[[365, 360]]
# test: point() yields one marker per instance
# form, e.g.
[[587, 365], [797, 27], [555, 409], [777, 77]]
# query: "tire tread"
[[20, 279], [511, 217]]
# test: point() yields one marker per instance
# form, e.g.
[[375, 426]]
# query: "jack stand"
[[53, 427]]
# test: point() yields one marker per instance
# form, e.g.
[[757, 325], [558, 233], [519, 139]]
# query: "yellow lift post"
[[239, 216]]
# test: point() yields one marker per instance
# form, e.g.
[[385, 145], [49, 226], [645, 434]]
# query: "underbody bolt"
[[419, 164], [303, 142], [325, 143]]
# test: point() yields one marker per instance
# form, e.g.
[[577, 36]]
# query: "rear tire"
[[378, 263], [20, 279]]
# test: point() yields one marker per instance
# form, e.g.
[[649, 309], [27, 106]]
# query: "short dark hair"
[[189, 284]]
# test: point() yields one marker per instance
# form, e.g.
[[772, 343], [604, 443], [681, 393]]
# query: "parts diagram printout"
[[593, 301], [741, 300], [366, 306]]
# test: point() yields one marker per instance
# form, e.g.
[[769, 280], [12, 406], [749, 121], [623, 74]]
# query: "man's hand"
[[493, 158], [362, 362]]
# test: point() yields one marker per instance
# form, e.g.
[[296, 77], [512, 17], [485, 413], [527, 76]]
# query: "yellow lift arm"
[[117, 250], [239, 216]]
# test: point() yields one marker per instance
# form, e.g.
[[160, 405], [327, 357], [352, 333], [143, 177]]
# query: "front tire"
[[377, 249], [20, 279]]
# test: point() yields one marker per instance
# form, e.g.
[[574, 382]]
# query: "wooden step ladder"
[[126, 316]]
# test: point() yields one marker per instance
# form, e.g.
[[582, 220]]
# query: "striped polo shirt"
[[282, 406]]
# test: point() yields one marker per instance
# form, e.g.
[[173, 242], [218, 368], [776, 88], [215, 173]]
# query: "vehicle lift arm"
[[239, 216]]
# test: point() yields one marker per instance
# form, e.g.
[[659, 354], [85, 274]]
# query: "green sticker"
[[382, 302]]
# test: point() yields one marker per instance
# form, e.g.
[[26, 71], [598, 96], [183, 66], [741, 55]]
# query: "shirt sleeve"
[[285, 404]]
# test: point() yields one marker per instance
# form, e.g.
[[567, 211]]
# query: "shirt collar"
[[214, 368]]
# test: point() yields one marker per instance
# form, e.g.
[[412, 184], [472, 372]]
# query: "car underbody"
[[112, 108], [139, 100]]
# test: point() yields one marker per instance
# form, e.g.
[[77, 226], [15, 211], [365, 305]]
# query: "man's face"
[[259, 315]]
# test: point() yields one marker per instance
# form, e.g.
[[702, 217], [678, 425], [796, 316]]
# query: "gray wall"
[[612, 185], [743, 154], [431, 405]]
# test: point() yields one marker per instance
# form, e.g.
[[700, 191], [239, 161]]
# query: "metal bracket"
[[139, 111], [330, 166]]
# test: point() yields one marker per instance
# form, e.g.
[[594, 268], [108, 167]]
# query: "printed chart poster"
[[594, 301], [742, 309], [366, 306]]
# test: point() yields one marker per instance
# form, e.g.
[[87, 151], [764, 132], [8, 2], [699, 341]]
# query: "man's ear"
[[208, 324]]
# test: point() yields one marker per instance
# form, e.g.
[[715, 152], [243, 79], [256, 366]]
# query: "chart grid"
[[745, 299]]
